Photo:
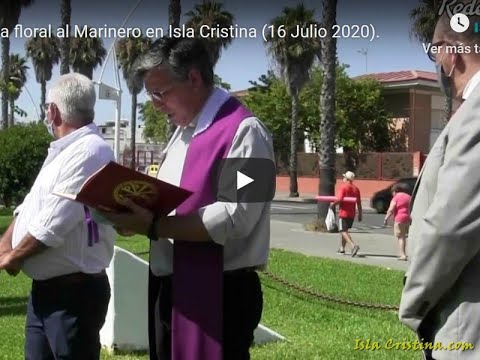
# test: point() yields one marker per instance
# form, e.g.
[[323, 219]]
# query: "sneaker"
[[340, 251], [355, 250]]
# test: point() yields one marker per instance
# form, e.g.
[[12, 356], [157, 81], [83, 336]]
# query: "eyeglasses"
[[159, 95], [433, 55], [45, 106]]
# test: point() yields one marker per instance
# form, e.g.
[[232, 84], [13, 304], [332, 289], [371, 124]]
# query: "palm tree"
[[86, 53], [128, 50], [9, 14], [327, 107], [65, 13], [424, 18], [211, 13], [295, 56], [174, 14], [44, 52], [18, 77]]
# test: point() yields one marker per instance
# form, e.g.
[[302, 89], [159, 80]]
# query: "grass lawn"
[[314, 329]]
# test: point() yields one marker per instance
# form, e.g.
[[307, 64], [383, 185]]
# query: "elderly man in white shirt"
[[55, 241], [205, 295]]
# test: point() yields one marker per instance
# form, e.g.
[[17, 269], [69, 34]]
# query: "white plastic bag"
[[331, 221]]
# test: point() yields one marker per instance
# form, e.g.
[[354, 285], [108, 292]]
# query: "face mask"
[[49, 126], [444, 81]]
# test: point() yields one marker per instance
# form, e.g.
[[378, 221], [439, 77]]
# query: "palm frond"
[[294, 55], [212, 14], [45, 53], [128, 50], [86, 53], [424, 18]]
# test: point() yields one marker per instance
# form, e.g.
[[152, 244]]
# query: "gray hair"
[[181, 55], [74, 95]]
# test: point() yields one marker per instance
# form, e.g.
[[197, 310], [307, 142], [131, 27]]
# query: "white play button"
[[243, 180], [246, 180]]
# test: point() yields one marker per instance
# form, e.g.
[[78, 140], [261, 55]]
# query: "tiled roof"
[[239, 93], [398, 76]]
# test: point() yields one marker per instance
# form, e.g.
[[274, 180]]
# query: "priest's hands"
[[135, 222]]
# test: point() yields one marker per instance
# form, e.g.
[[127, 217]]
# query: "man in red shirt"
[[346, 212]]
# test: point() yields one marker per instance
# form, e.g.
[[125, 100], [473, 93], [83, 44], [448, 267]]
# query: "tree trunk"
[[43, 96], [133, 128], [294, 146], [5, 76], [327, 106], [66, 11], [12, 112], [174, 13]]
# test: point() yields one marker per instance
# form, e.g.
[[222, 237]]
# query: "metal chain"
[[328, 297], [142, 253], [316, 294]]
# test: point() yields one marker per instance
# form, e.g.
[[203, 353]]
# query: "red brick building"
[[416, 103]]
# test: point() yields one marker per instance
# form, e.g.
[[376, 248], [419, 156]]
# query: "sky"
[[392, 48]]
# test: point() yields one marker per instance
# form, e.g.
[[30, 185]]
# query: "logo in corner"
[[452, 7]]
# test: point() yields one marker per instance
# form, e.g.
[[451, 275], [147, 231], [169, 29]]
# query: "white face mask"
[[45, 120], [49, 126]]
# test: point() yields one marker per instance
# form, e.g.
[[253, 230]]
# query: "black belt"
[[73, 278], [240, 271]]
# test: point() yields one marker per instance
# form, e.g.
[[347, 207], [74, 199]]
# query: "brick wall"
[[366, 166], [420, 121]]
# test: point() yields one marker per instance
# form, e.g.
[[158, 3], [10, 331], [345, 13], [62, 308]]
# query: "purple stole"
[[197, 315]]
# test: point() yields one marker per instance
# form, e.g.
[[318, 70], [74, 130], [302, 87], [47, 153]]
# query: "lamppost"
[[106, 92], [364, 52]]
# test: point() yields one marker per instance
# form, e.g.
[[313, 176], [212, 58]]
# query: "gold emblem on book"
[[134, 190]]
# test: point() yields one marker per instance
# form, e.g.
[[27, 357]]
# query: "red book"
[[105, 190]]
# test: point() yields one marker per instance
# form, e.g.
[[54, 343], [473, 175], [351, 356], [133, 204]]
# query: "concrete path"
[[375, 249]]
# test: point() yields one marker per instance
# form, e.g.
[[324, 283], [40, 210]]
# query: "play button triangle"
[[243, 180]]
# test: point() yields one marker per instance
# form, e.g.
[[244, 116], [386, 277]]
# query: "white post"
[[112, 47], [118, 110], [126, 323], [106, 92], [116, 140]]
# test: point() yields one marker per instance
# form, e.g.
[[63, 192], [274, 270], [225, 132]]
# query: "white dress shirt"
[[242, 228], [57, 222], [471, 85]]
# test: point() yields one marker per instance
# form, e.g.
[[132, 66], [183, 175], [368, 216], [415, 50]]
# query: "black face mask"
[[444, 81]]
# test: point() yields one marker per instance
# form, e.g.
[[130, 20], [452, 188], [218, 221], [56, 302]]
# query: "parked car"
[[380, 201]]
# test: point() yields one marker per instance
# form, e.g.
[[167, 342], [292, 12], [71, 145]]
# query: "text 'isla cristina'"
[[204, 31]]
